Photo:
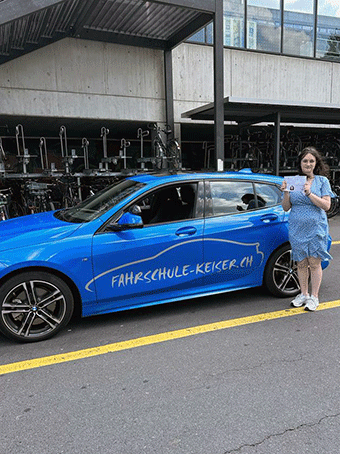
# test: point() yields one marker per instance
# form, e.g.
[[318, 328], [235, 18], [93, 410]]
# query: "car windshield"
[[100, 203]]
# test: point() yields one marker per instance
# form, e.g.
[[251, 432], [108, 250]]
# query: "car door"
[[243, 226], [155, 263]]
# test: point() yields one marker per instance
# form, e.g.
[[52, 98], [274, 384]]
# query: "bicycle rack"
[[68, 160], [4, 196], [124, 144], [140, 135], [207, 151], [43, 153], [253, 148], [85, 146], [104, 133], [112, 159], [63, 141], [2, 158], [25, 157]]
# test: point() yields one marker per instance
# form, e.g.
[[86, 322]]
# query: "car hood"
[[32, 230]]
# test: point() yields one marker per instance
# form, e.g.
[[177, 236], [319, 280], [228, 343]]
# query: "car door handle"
[[186, 231], [269, 217]]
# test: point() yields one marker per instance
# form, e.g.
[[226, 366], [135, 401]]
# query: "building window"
[[209, 34], [257, 24], [203, 36], [233, 19], [298, 31], [198, 37], [264, 25], [328, 30]]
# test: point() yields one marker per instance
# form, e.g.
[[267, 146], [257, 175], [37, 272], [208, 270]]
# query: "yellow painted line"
[[155, 339], [335, 242]]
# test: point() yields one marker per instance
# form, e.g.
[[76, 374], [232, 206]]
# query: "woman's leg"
[[303, 275], [316, 274]]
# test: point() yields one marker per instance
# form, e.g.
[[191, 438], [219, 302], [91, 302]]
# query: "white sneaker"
[[299, 300], [312, 303]]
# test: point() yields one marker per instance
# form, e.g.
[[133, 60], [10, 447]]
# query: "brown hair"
[[321, 168]]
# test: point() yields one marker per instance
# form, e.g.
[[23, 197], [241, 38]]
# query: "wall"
[[252, 75], [85, 79]]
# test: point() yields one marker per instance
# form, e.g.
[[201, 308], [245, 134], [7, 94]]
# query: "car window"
[[231, 197], [267, 194], [170, 203], [99, 203]]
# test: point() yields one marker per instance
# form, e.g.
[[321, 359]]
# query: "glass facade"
[[298, 28], [264, 25], [233, 22], [328, 30], [306, 28]]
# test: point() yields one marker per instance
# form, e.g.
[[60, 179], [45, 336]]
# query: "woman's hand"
[[286, 205], [307, 187]]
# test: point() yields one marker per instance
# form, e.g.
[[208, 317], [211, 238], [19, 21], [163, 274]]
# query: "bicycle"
[[70, 191], [9, 208], [37, 198], [3, 157], [3, 205], [167, 154], [335, 202]]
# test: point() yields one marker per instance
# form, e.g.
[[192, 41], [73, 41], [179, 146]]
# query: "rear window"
[[236, 196]]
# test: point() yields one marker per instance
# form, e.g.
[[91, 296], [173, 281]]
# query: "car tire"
[[34, 306], [280, 275]]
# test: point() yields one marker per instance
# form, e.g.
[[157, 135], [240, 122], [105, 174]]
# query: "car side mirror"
[[132, 219], [136, 210]]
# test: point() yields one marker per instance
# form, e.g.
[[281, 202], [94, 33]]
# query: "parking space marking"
[[335, 242], [155, 339]]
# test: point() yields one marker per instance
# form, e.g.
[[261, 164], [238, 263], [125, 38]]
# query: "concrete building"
[[87, 84]]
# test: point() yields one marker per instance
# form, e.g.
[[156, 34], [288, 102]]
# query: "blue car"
[[148, 239]]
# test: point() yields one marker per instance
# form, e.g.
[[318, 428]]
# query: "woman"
[[308, 225]]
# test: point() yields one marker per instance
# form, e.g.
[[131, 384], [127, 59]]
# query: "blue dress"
[[308, 224]]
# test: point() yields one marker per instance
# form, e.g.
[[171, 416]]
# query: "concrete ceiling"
[[246, 111], [27, 25]]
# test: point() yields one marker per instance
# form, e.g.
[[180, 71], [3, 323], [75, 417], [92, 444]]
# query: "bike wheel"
[[68, 202], [15, 210], [173, 153], [335, 207], [3, 214], [160, 155]]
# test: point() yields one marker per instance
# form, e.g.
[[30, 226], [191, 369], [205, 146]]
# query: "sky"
[[326, 7], [329, 8], [300, 6]]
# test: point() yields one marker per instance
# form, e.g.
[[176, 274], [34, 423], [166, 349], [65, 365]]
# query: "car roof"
[[170, 177]]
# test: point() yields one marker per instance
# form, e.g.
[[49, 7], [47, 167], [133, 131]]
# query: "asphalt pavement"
[[268, 386]]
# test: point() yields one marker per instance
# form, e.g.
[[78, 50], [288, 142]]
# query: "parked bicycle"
[[37, 197], [335, 202], [70, 190], [3, 205], [2, 157], [167, 153], [9, 208]]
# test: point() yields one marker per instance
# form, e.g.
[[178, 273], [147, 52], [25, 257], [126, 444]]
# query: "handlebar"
[[154, 127]]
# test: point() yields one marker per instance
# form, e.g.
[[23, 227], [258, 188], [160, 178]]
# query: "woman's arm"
[[286, 205], [322, 202]]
